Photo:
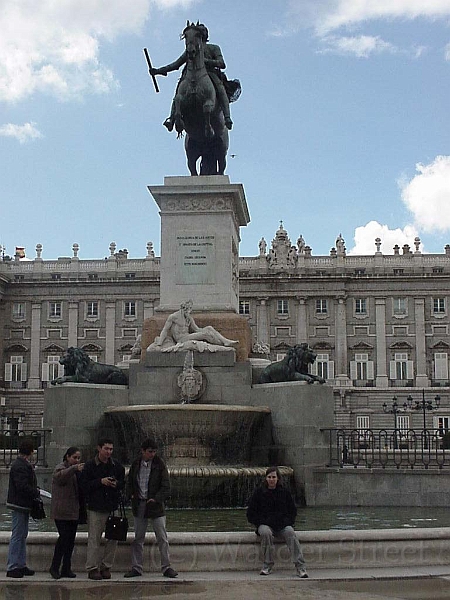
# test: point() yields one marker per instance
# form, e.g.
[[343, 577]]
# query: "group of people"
[[90, 492]]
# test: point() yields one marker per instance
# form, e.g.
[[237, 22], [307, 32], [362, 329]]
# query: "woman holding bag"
[[65, 510]]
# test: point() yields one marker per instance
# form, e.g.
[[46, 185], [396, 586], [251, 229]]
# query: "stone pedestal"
[[200, 221]]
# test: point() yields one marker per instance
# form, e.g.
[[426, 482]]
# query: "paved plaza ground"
[[425, 583]]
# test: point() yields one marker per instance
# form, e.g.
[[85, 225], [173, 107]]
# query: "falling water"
[[213, 452]]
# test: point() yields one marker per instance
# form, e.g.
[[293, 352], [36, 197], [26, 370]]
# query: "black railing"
[[10, 440], [398, 448]]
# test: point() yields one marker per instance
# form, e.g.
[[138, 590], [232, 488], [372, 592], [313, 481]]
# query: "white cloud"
[[427, 195], [53, 47], [365, 238], [22, 133], [334, 14], [361, 46]]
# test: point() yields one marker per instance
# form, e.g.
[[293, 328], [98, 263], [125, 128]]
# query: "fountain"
[[194, 389]]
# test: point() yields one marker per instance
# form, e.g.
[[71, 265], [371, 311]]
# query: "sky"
[[342, 126]]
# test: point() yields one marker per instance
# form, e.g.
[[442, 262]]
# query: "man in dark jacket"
[[102, 481], [272, 510], [22, 491], [148, 487]]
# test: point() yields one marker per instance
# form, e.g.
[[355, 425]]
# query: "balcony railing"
[[392, 448], [10, 440]]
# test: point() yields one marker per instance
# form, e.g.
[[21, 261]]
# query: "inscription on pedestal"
[[196, 258]]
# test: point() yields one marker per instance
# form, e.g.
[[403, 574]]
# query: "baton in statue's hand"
[[149, 62]]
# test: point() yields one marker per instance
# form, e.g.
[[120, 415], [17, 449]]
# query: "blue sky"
[[342, 126]]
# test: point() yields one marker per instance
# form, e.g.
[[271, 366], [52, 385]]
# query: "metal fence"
[[398, 448], [10, 440]]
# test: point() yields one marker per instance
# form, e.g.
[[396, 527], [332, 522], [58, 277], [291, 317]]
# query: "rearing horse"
[[197, 111]]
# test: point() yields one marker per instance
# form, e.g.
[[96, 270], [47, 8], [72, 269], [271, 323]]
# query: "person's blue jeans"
[[17, 552]]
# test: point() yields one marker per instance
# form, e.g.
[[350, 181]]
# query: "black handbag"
[[37, 510], [117, 526]]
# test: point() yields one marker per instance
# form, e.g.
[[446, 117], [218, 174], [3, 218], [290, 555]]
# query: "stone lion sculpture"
[[79, 368], [293, 367]]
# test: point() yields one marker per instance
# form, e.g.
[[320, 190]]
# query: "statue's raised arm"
[[201, 105]]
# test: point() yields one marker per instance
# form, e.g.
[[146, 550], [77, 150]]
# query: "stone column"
[[422, 379], [262, 323], [341, 340], [149, 309], [73, 325], [302, 325], [34, 376], [380, 324], [110, 341]]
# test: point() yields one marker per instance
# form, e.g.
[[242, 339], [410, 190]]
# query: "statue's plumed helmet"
[[200, 27]]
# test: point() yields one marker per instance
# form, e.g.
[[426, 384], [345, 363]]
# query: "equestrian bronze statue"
[[201, 106]]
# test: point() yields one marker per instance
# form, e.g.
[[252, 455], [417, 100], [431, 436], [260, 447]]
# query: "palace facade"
[[379, 324]]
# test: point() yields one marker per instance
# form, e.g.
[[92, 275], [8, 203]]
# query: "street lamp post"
[[424, 405], [394, 411]]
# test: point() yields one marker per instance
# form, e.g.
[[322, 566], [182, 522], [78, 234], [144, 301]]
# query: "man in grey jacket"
[[148, 487]]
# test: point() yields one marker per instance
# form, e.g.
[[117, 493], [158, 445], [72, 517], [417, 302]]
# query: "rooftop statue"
[[201, 106], [181, 332]]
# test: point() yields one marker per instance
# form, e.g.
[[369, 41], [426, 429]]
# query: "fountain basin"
[[189, 434]]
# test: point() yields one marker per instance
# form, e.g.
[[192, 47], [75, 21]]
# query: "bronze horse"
[[198, 113]]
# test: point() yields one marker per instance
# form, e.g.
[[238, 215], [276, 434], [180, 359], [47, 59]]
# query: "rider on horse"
[[214, 63]]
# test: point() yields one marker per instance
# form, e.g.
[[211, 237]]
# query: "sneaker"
[[169, 572], [133, 573], [16, 573], [105, 573], [27, 572], [302, 573], [95, 575], [54, 573], [265, 571]]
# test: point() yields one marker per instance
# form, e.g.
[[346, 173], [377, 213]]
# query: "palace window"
[[16, 370], [399, 306], [129, 309], [441, 365], [92, 309], [401, 368], [54, 310], [244, 307], [18, 310], [321, 306], [438, 305], [282, 307], [323, 366], [360, 306], [52, 369], [361, 368], [362, 423]]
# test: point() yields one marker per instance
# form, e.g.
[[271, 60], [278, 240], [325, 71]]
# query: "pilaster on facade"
[[381, 347], [34, 379], [110, 341], [72, 334], [302, 321], [262, 323], [341, 340], [422, 379], [149, 309]]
